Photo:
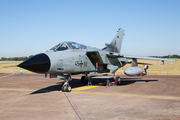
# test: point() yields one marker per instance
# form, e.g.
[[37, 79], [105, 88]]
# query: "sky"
[[29, 27]]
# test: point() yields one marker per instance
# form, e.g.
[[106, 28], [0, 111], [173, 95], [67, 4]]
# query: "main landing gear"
[[117, 80], [66, 87], [84, 79]]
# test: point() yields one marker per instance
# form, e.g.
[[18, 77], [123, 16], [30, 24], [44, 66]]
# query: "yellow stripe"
[[25, 90], [16, 89], [98, 93], [84, 88], [88, 87], [76, 89], [131, 95]]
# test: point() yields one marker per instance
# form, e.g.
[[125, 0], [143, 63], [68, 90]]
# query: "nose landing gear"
[[66, 87]]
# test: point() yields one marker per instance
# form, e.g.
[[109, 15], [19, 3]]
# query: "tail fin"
[[116, 43]]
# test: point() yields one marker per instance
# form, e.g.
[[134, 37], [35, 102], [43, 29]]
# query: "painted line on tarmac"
[[24, 90], [131, 95], [99, 93], [75, 89], [7, 75], [88, 87], [84, 88]]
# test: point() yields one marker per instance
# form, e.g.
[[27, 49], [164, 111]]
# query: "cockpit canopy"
[[68, 45]]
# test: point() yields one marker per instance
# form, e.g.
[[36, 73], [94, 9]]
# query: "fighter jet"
[[70, 58]]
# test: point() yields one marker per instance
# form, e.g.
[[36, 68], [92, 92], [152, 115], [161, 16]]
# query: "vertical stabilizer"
[[116, 43]]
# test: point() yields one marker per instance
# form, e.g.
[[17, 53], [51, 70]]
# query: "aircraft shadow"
[[76, 83], [127, 81]]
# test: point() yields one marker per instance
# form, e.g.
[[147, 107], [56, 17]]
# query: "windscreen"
[[68, 45]]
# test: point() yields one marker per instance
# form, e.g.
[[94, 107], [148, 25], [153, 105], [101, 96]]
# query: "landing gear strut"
[[66, 87]]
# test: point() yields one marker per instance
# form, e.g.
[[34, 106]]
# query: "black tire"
[[68, 89], [83, 79], [117, 79]]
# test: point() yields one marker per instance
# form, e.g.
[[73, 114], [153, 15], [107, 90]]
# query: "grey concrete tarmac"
[[32, 96]]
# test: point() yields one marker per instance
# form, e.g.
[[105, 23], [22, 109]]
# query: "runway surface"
[[32, 96]]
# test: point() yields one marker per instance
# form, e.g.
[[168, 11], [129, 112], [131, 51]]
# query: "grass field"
[[4, 67], [169, 68]]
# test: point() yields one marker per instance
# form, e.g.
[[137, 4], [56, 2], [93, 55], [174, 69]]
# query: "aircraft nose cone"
[[39, 63]]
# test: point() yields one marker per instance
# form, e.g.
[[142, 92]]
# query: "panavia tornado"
[[70, 58]]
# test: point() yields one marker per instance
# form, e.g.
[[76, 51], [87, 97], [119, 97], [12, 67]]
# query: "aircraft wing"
[[140, 63], [112, 54], [147, 58]]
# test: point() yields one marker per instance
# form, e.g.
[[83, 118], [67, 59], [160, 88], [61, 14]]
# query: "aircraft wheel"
[[117, 80], [83, 79], [64, 88], [68, 89]]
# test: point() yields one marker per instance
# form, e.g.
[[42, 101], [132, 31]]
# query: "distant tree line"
[[15, 58], [168, 56], [25, 58]]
